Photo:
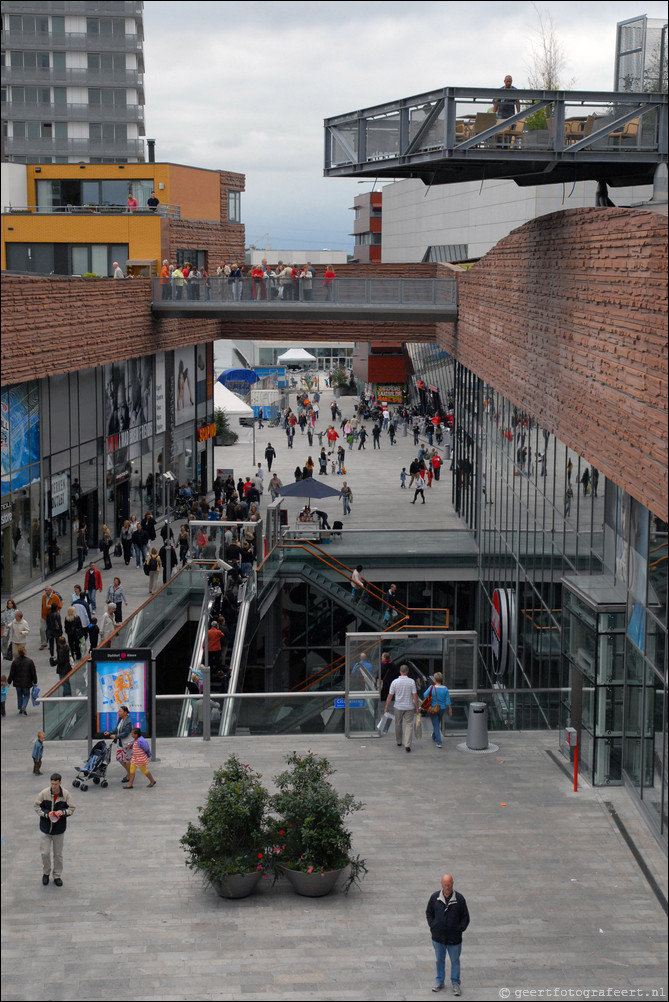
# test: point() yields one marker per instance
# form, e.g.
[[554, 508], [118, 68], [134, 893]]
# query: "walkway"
[[557, 898]]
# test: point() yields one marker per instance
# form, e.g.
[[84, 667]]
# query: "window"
[[60, 130], [92, 25], [234, 206], [42, 60], [58, 25], [44, 94], [94, 96], [93, 64], [95, 131], [60, 95], [19, 130], [59, 60]]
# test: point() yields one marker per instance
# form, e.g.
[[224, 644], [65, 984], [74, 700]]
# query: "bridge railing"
[[337, 291], [518, 121]]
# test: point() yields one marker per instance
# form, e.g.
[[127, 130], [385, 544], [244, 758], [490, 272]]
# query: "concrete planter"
[[237, 885], [313, 885]]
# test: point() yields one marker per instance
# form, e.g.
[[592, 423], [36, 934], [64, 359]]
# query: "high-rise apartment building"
[[73, 82]]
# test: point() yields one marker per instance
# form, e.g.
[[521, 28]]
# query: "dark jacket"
[[63, 663], [54, 624], [22, 673], [447, 919], [46, 802]]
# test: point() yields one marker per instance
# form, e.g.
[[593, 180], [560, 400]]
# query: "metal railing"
[[164, 209], [408, 292]]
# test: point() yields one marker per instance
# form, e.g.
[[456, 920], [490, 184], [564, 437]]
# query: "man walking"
[[270, 453], [53, 807], [447, 917], [403, 690]]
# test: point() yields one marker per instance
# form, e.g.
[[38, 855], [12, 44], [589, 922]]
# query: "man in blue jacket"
[[447, 917], [53, 806]]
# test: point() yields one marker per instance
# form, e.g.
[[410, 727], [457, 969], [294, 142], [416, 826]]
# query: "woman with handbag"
[[120, 733], [105, 545], [435, 700]]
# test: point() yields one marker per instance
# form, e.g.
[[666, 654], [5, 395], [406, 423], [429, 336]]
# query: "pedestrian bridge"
[[455, 134], [416, 300]]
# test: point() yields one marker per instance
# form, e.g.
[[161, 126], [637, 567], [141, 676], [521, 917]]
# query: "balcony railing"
[[22, 146], [41, 110], [75, 76], [164, 209], [71, 41]]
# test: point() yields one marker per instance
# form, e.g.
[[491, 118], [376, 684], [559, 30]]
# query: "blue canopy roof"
[[238, 376]]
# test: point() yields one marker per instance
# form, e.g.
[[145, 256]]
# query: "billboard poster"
[[129, 392], [120, 678], [184, 409], [390, 393]]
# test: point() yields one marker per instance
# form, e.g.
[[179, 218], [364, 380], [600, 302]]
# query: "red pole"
[[576, 769]]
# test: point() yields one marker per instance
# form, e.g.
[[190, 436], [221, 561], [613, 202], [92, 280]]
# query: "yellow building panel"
[[142, 234]]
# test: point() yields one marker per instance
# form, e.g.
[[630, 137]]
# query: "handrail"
[[227, 716], [107, 641], [347, 572]]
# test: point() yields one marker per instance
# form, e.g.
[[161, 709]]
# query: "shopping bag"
[[418, 726], [384, 723], [35, 695]]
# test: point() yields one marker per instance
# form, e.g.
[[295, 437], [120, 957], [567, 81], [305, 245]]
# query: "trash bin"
[[477, 727]]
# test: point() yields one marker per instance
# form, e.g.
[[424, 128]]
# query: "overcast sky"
[[245, 86]]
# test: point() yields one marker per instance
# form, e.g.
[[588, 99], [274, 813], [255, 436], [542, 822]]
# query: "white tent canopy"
[[226, 400], [294, 356]]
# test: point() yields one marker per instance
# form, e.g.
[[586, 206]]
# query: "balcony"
[[22, 146], [549, 136], [41, 111], [164, 209], [71, 41], [75, 77]]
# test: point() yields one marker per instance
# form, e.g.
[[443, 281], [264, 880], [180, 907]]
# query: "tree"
[[547, 58]]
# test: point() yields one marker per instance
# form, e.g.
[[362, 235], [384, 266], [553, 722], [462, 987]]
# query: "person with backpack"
[[141, 754], [152, 568]]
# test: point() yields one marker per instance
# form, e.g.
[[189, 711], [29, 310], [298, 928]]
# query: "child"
[[4, 689], [94, 632], [403, 478], [38, 750]]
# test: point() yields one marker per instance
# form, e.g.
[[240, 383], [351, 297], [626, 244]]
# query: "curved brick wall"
[[567, 317]]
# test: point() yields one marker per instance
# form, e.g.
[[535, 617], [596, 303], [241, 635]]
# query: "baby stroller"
[[95, 768]]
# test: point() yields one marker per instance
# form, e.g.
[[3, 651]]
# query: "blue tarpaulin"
[[238, 376]]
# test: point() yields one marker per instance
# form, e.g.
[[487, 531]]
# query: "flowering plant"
[[309, 833], [232, 834]]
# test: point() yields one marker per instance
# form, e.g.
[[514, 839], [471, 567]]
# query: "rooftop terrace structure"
[[455, 134]]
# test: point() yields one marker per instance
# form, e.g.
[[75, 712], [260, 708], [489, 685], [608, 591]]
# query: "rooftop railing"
[[489, 123]]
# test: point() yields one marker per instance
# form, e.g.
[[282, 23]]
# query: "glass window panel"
[[30, 60], [95, 131], [58, 60], [43, 60], [60, 130], [34, 130], [60, 95], [79, 260], [94, 96], [99, 260], [94, 60], [93, 25], [45, 95], [58, 26]]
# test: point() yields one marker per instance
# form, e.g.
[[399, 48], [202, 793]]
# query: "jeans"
[[453, 950], [347, 506], [91, 598], [22, 696], [436, 726]]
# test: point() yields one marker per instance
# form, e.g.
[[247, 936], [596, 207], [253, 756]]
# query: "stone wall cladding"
[[53, 325], [567, 317]]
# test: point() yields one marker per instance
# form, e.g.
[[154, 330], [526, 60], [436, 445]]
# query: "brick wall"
[[53, 325], [567, 317]]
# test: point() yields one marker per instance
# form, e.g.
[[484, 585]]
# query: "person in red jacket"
[[436, 465], [92, 583]]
